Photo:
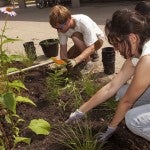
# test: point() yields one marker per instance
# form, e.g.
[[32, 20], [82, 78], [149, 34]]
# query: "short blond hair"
[[59, 15]]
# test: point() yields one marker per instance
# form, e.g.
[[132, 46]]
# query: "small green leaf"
[[17, 57], [19, 119], [7, 117], [8, 40], [25, 100], [2, 148], [12, 70], [4, 57], [9, 101], [39, 126], [22, 139], [17, 84]]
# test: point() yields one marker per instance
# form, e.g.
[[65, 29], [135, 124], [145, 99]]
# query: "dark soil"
[[49, 110]]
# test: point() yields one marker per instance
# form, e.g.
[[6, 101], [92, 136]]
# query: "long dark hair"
[[123, 23]]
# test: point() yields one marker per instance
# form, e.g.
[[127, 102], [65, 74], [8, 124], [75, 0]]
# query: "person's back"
[[84, 25]]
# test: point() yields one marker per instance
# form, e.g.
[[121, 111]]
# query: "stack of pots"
[[30, 50], [108, 59]]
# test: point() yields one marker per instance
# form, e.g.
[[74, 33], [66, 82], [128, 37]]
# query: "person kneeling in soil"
[[84, 32], [129, 33], [138, 119]]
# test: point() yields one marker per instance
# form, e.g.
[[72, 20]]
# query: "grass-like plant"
[[76, 137], [75, 89], [110, 104]]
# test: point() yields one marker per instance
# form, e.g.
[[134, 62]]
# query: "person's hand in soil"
[[104, 136], [52, 66], [71, 63], [75, 116]]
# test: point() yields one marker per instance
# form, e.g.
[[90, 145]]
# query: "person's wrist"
[[112, 127], [80, 111], [76, 61]]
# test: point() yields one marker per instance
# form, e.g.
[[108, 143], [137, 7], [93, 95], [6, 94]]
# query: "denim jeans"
[[138, 118], [138, 121], [142, 100]]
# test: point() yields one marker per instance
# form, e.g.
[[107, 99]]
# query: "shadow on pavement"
[[99, 12]]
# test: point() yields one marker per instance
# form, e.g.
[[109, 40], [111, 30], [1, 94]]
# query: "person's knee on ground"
[[138, 121], [97, 45]]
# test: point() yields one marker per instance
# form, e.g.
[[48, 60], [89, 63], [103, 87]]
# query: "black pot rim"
[[50, 41]]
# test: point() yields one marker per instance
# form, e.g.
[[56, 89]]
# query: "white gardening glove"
[[75, 116], [52, 66], [71, 63], [104, 136]]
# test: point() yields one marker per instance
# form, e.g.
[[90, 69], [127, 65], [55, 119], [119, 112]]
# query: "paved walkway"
[[31, 24]]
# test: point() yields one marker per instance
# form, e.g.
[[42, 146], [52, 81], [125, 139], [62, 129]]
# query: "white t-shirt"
[[145, 51], [85, 25]]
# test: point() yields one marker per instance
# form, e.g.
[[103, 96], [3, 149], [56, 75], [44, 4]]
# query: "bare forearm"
[[110, 89], [85, 54], [101, 96], [88, 51], [122, 108], [63, 52]]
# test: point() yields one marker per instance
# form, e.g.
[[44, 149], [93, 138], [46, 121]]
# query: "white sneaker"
[[75, 116]]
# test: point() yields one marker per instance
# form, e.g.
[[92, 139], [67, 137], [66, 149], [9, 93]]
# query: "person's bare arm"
[[63, 52], [111, 88], [139, 84], [89, 50]]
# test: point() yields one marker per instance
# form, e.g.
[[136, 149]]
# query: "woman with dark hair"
[[143, 8], [128, 32], [138, 119]]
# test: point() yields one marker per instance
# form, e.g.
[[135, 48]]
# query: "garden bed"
[[56, 109]]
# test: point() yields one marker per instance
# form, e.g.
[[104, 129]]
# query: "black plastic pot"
[[30, 50], [50, 47], [108, 59]]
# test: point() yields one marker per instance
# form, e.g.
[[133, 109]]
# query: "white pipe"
[[32, 67]]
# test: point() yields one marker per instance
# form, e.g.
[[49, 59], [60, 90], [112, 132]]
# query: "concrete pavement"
[[31, 24]]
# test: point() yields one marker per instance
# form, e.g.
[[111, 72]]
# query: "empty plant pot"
[[30, 50], [108, 59], [50, 47]]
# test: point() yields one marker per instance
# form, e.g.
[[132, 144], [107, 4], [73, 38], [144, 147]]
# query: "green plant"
[[10, 96], [54, 81], [59, 83], [89, 85], [74, 88], [110, 104], [84, 87], [76, 137], [27, 62]]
